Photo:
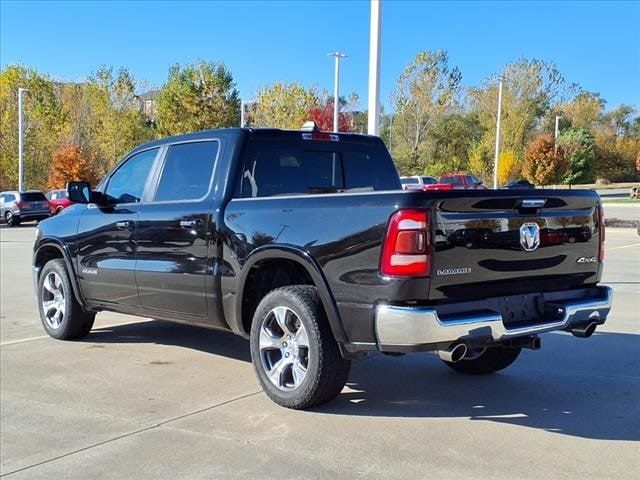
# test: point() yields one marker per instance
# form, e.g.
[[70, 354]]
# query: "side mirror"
[[80, 192]]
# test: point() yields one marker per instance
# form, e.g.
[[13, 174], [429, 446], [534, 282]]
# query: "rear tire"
[[294, 353], [11, 219], [491, 360], [61, 315]]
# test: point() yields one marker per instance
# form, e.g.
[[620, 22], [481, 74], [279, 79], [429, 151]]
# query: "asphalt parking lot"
[[148, 399]]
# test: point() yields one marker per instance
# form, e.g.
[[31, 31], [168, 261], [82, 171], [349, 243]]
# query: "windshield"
[[33, 197]]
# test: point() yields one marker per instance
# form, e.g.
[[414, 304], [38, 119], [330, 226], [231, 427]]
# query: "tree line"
[[80, 130]]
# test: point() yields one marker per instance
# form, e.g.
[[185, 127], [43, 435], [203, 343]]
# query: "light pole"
[[373, 120], [497, 154], [336, 87], [557, 132], [241, 113], [21, 92]]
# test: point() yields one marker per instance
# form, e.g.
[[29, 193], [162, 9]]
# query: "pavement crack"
[[135, 432]]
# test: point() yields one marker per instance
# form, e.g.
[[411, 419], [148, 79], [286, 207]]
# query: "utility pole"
[[373, 121], [497, 155], [241, 113], [21, 92], [557, 132], [336, 88]]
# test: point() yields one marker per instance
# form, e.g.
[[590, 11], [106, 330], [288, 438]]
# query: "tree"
[[43, 119], [530, 87], [196, 97], [284, 105], [584, 111], [425, 91], [578, 148], [323, 116], [543, 165], [450, 142], [508, 167], [70, 163]]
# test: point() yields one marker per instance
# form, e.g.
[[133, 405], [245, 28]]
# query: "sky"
[[595, 44]]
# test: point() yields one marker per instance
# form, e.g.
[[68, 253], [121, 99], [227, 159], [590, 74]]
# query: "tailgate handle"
[[533, 202]]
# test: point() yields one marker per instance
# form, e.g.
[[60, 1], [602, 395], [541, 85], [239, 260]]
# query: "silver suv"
[[16, 207]]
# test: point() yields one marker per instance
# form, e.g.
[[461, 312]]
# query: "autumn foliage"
[[70, 163], [543, 165], [323, 116]]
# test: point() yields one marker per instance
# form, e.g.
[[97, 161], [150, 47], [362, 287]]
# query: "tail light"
[[21, 204], [405, 252], [600, 233]]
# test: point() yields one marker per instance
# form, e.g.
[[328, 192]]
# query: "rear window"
[[409, 180], [452, 180], [33, 197], [274, 168], [429, 180]]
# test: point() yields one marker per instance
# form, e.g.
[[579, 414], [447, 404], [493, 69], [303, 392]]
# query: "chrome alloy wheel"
[[53, 300], [284, 348]]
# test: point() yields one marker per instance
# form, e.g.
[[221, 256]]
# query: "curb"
[[620, 223]]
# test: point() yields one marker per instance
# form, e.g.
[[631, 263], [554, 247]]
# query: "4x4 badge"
[[529, 236]]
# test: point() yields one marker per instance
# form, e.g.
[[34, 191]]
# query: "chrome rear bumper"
[[402, 327]]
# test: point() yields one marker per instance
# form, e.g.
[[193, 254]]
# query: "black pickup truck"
[[305, 243]]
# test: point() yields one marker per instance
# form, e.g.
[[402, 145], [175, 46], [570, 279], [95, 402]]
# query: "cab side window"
[[187, 171], [126, 185]]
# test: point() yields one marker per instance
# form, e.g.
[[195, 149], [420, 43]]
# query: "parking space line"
[[623, 246], [30, 339]]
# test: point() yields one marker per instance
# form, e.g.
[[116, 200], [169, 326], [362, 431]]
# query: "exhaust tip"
[[584, 331], [453, 354]]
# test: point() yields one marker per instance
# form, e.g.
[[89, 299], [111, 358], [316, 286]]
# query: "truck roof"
[[262, 133]]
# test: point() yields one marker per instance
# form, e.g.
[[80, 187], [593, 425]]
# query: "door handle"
[[126, 225], [191, 223]]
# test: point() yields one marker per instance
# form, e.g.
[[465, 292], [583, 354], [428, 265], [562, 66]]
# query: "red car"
[[461, 181], [58, 200]]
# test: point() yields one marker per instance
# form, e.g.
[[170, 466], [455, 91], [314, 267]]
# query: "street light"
[[21, 92], [336, 87], [375, 23], [497, 154], [557, 132]]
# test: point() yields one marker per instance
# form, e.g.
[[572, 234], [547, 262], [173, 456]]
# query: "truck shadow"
[[583, 388], [588, 389], [221, 343]]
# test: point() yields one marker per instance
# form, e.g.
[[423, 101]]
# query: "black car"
[[303, 242], [27, 206], [519, 184]]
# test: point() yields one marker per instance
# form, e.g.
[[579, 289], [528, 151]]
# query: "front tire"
[[61, 315], [488, 360], [294, 353]]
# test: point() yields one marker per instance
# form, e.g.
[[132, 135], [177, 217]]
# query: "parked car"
[[634, 193], [461, 181], [301, 242], [58, 200], [417, 182], [17, 207], [522, 183]]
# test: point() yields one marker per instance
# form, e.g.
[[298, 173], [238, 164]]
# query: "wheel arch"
[[278, 256], [50, 249]]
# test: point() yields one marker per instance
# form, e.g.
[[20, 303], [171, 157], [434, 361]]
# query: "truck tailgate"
[[487, 246]]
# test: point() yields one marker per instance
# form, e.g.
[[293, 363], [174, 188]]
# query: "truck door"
[[174, 231], [106, 234]]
